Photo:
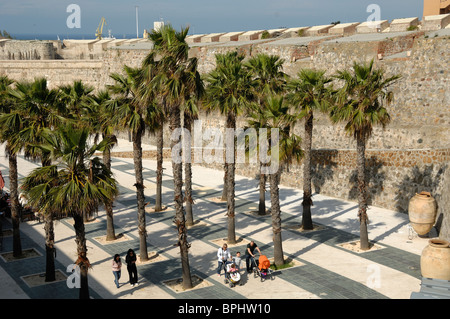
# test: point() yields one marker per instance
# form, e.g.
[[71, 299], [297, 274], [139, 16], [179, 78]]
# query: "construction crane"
[[98, 34]]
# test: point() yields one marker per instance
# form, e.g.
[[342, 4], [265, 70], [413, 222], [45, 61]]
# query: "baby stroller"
[[232, 277], [263, 269]]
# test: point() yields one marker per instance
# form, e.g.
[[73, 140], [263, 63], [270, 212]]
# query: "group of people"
[[224, 257], [130, 260]]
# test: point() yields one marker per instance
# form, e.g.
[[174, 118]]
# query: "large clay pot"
[[422, 212], [435, 260]]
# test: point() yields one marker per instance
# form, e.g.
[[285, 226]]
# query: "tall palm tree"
[[360, 106], [78, 102], [193, 94], [131, 114], [270, 79], [309, 92], [149, 92], [101, 121], [40, 108], [171, 80], [10, 125], [229, 89], [73, 186], [284, 149]]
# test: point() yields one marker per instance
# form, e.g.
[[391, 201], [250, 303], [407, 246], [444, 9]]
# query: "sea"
[[62, 36]]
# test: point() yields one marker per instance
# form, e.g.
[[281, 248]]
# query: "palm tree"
[[172, 83], [284, 149], [101, 120], [40, 109], [270, 79], [229, 90], [10, 125], [73, 186], [193, 94], [309, 93], [129, 113], [78, 101], [149, 91], [361, 105]]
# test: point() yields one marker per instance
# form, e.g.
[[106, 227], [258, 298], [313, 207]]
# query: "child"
[[233, 268], [237, 261]]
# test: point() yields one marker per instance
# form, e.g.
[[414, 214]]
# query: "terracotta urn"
[[435, 260], [422, 212]]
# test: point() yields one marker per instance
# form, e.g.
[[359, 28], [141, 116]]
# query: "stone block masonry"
[[26, 50], [57, 72]]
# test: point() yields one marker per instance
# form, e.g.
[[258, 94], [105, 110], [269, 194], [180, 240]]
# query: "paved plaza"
[[324, 268]]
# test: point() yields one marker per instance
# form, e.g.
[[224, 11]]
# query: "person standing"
[[223, 254], [237, 260], [116, 268], [131, 267], [250, 253]]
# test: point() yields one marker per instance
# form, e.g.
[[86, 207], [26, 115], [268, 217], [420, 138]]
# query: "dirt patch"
[[240, 241], [255, 213], [177, 284], [299, 228], [39, 279], [119, 238], [153, 257], [164, 209], [355, 246], [197, 223], [288, 263], [26, 253], [217, 200]]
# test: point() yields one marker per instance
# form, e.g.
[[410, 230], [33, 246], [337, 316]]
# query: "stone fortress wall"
[[411, 155]]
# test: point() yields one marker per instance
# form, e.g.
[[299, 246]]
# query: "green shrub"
[[265, 35]]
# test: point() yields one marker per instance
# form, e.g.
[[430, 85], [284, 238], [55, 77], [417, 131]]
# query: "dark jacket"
[[129, 259]]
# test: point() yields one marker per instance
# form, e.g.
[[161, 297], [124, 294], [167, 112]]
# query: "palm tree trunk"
[[110, 232], [82, 261], [225, 178], [50, 251], [307, 201], [262, 192], [49, 248], [362, 197], [137, 157], [188, 176], [14, 201], [159, 168], [276, 217], [175, 123], [231, 123]]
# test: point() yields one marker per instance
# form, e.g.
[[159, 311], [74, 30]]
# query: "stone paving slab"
[[327, 271]]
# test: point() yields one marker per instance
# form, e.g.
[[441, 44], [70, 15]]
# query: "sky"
[[202, 16]]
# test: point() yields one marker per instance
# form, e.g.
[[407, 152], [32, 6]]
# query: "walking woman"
[[131, 267], [116, 268]]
